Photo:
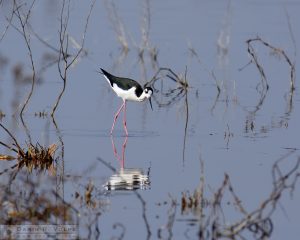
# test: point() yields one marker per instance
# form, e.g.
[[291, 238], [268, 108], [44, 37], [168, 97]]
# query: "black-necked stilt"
[[127, 89]]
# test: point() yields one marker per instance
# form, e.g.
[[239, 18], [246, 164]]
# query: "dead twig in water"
[[254, 59], [173, 94], [276, 51]]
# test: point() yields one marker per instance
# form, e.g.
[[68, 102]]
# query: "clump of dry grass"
[[38, 157]]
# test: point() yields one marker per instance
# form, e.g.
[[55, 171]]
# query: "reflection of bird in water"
[[127, 89], [126, 178]]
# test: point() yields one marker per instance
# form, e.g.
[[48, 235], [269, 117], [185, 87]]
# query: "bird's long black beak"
[[150, 104]]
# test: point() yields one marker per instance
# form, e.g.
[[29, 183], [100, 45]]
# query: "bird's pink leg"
[[115, 149], [124, 119], [116, 117], [123, 152]]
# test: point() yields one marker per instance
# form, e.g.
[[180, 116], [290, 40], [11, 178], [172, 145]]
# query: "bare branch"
[[63, 60], [276, 50], [23, 22]]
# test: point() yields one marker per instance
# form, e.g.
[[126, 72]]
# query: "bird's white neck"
[[143, 97]]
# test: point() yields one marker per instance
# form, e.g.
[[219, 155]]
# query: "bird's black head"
[[148, 92]]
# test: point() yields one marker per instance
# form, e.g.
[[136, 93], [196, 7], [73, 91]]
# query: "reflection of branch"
[[186, 119], [289, 101], [173, 95], [227, 136], [20, 151], [144, 213], [107, 164], [122, 234], [60, 185], [9, 147], [171, 220]]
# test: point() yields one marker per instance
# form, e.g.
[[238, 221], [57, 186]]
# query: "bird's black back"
[[124, 83]]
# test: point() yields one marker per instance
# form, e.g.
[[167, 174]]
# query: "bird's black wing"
[[124, 83]]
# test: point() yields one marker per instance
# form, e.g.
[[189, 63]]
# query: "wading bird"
[[127, 89]]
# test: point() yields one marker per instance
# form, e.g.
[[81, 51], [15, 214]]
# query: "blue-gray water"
[[241, 132]]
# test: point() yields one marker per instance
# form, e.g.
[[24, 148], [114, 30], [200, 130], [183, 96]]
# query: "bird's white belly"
[[126, 94]]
